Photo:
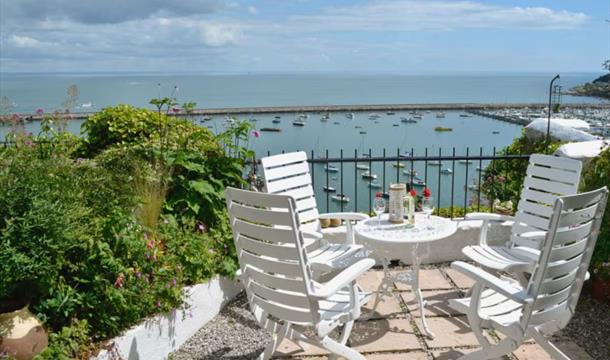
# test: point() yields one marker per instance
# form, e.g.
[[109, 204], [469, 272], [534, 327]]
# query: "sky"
[[301, 36]]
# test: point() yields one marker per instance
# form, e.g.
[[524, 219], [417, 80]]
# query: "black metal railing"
[[444, 183]]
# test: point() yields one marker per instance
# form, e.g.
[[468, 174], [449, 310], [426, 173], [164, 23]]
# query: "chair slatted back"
[[271, 254], [288, 174], [548, 177], [556, 282]]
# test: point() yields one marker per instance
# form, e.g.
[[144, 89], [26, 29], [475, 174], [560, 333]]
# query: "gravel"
[[232, 334], [590, 327]]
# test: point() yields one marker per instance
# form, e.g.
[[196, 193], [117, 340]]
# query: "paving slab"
[[389, 306], [449, 331], [383, 335], [536, 352], [461, 280], [429, 279], [437, 302], [452, 354], [411, 355], [289, 348], [370, 280]]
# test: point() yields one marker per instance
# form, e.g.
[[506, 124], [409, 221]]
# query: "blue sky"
[[290, 36]]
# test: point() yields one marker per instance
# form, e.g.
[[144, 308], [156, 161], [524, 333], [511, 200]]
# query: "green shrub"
[[459, 211], [503, 179], [596, 175]]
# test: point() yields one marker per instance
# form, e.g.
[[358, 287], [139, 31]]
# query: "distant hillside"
[[602, 79], [599, 87]]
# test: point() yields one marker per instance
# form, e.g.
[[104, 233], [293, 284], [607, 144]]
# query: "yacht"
[[349, 115], [398, 165], [362, 167], [447, 171], [374, 116], [466, 162], [375, 185], [418, 182], [410, 173], [331, 168], [299, 122], [276, 121], [434, 163], [418, 117], [369, 175], [390, 113], [329, 189], [440, 115], [340, 198]]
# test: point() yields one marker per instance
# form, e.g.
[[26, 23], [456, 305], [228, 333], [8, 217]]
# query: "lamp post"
[[548, 125]]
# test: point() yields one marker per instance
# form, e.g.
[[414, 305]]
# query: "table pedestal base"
[[405, 277]]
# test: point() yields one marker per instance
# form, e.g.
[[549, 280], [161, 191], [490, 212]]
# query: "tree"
[[606, 65]]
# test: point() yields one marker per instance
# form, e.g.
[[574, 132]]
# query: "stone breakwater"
[[355, 108]]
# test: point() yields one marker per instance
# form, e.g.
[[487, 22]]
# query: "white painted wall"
[[155, 338]]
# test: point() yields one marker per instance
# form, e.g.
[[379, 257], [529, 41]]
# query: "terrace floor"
[[393, 332]]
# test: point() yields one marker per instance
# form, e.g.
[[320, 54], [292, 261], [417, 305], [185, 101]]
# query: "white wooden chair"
[[547, 303], [277, 275], [548, 177], [288, 174]]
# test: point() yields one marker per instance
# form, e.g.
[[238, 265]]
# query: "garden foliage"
[[115, 222]]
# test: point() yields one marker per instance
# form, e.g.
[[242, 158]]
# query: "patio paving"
[[395, 330]]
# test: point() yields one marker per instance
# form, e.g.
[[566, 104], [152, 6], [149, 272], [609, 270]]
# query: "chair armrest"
[[312, 234], [344, 216], [490, 281], [489, 217], [343, 279]]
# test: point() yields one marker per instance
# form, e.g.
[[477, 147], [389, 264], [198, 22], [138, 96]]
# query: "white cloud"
[[219, 34], [252, 10], [436, 15], [24, 41]]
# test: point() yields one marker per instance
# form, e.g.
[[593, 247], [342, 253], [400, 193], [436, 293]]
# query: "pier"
[[482, 109]]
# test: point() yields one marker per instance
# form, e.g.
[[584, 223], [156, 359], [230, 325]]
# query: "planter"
[[324, 223], [600, 290], [158, 336], [21, 334], [335, 222]]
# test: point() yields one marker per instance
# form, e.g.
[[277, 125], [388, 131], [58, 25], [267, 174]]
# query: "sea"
[[337, 135]]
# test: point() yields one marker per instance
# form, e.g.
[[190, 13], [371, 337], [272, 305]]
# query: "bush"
[[120, 230], [503, 179], [596, 175]]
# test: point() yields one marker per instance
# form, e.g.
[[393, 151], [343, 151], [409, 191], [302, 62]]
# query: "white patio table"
[[388, 241]]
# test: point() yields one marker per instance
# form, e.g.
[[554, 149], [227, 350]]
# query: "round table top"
[[424, 230]]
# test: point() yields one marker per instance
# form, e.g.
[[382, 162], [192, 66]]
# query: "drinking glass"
[[379, 208], [428, 208]]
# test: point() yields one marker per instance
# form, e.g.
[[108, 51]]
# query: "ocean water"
[[29, 92]]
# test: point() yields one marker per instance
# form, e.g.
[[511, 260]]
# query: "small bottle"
[[410, 206]]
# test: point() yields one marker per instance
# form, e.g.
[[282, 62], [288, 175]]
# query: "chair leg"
[[495, 351], [347, 330], [548, 346], [339, 349], [275, 342]]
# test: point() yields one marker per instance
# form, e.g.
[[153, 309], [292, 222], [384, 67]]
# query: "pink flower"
[[175, 110], [256, 134], [39, 111], [201, 227]]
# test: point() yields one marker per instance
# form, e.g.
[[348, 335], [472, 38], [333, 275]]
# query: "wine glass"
[[428, 208], [379, 208]]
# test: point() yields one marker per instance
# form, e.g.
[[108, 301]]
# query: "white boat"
[[349, 115], [299, 122], [468, 162], [331, 168], [86, 105], [375, 185], [480, 168], [329, 189], [410, 173], [418, 117], [369, 175], [374, 116], [340, 198], [418, 182], [276, 121], [447, 171], [440, 115], [434, 163], [398, 165], [362, 167], [473, 186]]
